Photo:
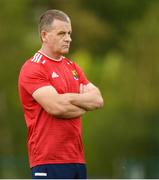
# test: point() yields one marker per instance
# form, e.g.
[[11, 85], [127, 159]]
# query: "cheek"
[[50, 39], [53, 40]]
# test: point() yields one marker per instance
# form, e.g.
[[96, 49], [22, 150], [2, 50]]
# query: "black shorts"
[[59, 171]]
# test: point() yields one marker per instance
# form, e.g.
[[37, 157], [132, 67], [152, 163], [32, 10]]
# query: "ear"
[[43, 36]]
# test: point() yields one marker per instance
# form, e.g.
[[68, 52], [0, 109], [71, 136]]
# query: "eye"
[[69, 32], [61, 33]]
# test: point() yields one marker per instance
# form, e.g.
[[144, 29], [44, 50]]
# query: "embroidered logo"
[[75, 75], [43, 62], [54, 75]]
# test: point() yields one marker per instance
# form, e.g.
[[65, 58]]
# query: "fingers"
[[81, 88]]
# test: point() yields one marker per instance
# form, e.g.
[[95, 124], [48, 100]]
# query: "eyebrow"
[[62, 31]]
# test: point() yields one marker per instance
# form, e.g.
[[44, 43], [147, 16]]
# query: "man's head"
[[49, 16], [55, 30]]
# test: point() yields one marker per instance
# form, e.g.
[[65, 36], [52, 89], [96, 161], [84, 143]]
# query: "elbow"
[[97, 104], [100, 102]]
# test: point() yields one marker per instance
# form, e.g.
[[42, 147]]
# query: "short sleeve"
[[33, 77], [82, 77]]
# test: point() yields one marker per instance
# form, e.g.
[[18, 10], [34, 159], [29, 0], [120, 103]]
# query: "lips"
[[66, 46]]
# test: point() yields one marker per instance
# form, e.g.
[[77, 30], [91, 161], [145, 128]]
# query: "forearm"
[[62, 107], [70, 112], [72, 105], [89, 100], [58, 105], [69, 105]]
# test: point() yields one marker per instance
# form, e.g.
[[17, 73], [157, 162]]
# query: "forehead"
[[59, 25]]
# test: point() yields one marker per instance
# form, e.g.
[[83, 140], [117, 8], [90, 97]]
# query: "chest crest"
[[75, 74]]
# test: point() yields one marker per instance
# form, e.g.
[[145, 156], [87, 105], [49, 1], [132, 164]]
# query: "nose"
[[68, 38]]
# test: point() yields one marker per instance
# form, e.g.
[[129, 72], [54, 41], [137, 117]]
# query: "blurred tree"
[[116, 43], [118, 14]]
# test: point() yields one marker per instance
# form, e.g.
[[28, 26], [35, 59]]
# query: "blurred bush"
[[116, 43]]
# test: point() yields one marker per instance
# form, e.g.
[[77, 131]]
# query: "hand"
[[81, 88], [85, 88]]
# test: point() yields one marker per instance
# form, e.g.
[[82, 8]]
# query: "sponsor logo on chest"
[[74, 73], [54, 75]]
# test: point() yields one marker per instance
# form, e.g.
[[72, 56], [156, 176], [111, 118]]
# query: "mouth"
[[66, 46]]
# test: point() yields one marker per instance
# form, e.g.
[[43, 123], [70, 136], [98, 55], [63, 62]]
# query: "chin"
[[65, 51]]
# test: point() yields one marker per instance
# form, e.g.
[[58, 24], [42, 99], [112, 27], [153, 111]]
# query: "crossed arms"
[[69, 105]]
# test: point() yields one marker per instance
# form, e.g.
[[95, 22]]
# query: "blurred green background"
[[116, 42]]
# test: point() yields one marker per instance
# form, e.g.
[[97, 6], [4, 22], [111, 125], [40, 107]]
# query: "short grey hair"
[[49, 16]]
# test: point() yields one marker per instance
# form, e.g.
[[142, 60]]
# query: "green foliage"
[[116, 44]]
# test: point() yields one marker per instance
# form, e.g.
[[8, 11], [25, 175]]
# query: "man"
[[55, 93]]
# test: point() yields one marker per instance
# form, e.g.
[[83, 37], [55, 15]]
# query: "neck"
[[50, 55]]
